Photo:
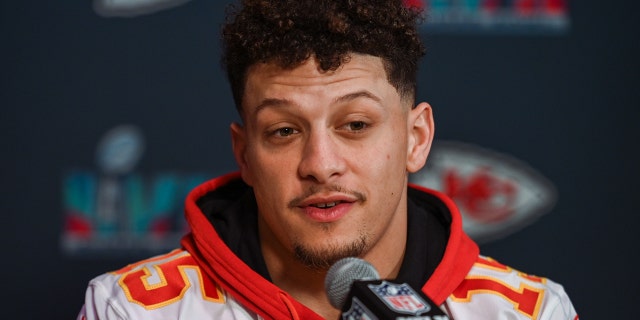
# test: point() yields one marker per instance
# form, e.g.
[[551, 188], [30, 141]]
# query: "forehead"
[[356, 63], [269, 81]]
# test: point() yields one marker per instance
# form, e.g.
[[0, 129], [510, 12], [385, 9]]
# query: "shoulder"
[[161, 280], [493, 288], [156, 288]]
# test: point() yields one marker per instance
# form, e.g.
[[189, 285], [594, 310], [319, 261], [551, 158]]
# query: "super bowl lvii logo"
[[112, 209]]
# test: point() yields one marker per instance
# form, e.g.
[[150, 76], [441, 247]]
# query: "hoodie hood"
[[256, 292]]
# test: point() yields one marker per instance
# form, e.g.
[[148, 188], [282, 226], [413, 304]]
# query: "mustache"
[[313, 190]]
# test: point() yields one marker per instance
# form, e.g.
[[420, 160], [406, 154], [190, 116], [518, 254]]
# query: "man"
[[330, 132]]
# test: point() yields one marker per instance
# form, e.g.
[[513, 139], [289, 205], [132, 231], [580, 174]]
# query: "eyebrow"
[[272, 102], [356, 95], [275, 102]]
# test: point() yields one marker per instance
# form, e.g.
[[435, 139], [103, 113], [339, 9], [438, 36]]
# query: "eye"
[[356, 125], [284, 132]]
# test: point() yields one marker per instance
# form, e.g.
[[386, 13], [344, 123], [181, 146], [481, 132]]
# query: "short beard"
[[323, 259]]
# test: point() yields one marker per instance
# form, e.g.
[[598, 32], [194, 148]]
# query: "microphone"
[[354, 286]]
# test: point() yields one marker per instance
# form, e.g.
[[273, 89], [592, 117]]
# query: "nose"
[[322, 159]]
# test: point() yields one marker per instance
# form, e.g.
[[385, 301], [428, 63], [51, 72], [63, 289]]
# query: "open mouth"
[[326, 204], [327, 210]]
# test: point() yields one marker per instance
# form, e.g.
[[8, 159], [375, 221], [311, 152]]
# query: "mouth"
[[322, 200], [329, 205], [326, 205], [327, 210]]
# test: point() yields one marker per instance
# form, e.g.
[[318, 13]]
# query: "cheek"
[[387, 168], [260, 161], [269, 166], [389, 157], [272, 174]]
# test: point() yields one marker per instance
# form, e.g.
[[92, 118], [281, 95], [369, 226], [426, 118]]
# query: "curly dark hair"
[[289, 32]]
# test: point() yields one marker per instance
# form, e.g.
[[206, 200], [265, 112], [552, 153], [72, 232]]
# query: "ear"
[[421, 127], [239, 145]]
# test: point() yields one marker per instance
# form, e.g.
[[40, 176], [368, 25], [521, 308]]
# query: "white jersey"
[[172, 286], [494, 291]]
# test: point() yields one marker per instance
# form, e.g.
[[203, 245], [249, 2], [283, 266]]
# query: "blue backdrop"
[[566, 104]]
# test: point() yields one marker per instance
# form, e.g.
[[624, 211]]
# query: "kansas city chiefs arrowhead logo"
[[496, 194]]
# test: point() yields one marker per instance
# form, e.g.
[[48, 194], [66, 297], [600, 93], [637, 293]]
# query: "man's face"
[[327, 155]]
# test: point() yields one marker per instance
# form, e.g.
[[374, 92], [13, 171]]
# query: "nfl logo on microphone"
[[400, 297]]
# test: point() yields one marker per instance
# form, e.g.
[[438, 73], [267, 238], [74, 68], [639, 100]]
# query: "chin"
[[322, 258]]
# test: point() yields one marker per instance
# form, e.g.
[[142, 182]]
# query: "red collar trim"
[[269, 301], [459, 256], [231, 273]]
